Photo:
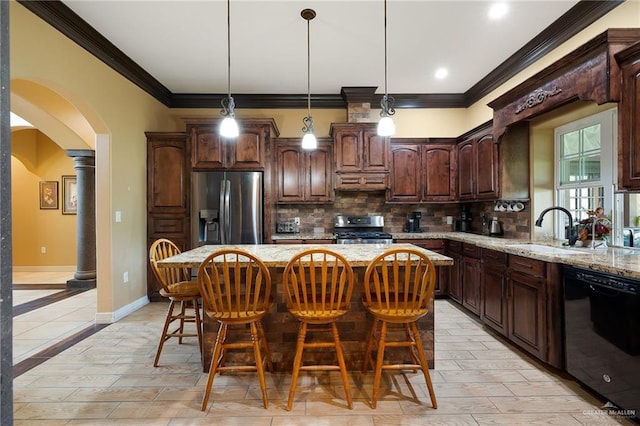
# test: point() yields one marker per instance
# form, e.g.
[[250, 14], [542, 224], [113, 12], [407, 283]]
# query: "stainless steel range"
[[361, 230]]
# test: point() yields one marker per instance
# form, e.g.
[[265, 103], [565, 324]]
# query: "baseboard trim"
[[71, 268], [111, 317]]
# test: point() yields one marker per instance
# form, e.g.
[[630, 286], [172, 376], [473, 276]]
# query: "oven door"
[[602, 334]]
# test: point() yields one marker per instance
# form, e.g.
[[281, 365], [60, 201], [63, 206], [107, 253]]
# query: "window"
[[585, 168]]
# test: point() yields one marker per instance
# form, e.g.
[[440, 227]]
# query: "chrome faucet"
[[603, 242], [573, 236]]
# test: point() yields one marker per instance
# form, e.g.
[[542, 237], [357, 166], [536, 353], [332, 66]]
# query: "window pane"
[[591, 167], [580, 156], [591, 138], [570, 144]]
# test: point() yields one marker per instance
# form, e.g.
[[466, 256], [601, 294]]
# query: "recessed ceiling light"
[[498, 10], [442, 73]]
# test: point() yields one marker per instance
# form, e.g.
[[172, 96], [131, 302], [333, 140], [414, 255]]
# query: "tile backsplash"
[[434, 215]]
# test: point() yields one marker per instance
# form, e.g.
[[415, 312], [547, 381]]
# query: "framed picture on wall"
[[49, 195], [69, 195]]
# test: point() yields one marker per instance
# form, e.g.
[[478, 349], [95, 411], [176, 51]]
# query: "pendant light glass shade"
[[309, 140], [229, 126], [386, 126]]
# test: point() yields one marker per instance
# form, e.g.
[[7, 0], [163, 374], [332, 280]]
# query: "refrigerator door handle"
[[223, 211], [227, 213]]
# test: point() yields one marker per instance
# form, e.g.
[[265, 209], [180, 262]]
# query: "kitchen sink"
[[549, 250]]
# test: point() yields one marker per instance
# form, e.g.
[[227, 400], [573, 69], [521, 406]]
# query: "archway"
[[73, 125]]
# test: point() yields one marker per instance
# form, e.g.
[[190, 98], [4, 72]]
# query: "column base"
[[74, 283]]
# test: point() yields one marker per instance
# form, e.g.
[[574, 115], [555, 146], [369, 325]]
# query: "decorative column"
[[85, 166]]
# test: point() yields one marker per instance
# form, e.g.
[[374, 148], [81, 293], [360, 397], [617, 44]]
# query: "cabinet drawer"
[[494, 257], [454, 247], [164, 226], [361, 181], [471, 250], [527, 265], [427, 244]]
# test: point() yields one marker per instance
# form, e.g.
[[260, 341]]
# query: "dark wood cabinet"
[[471, 278], [168, 194], [628, 122], [421, 171], [493, 307], [478, 168], [405, 179], [246, 152], [303, 175], [454, 283], [361, 156], [442, 272], [527, 292]]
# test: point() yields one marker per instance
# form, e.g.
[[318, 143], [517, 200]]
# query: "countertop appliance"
[[602, 338], [631, 237], [465, 218], [495, 227], [287, 227], [236, 198], [360, 230], [413, 222]]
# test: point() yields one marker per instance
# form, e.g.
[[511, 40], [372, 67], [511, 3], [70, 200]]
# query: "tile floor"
[[108, 379], [42, 328]]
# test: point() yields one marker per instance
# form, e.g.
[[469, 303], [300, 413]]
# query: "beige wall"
[[33, 228], [111, 114]]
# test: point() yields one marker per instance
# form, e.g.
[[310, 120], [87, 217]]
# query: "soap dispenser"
[[495, 227]]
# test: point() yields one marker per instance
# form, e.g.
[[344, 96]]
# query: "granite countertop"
[[277, 255], [617, 260]]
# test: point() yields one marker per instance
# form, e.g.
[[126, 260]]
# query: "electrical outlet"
[[118, 216], [43, 250], [296, 220], [125, 277], [449, 220]]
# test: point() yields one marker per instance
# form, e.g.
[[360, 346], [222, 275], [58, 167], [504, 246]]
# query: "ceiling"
[[177, 50]]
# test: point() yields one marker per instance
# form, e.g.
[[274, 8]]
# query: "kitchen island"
[[281, 328]]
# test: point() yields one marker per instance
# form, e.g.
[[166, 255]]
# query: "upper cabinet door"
[[246, 152], [466, 170], [348, 150], [487, 167], [629, 124], [438, 168], [478, 168], [375, 152], [207, 149], [405, 183], [167, 173]]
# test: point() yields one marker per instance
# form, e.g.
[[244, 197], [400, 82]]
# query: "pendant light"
[[386, 127], [309, 140], [229, 125]]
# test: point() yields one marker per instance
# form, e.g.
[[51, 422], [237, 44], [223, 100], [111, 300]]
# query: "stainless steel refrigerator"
[[226, 208]]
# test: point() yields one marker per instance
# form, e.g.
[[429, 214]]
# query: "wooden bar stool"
[[317, 286], [398, 286], [178, 287], [236, 287]]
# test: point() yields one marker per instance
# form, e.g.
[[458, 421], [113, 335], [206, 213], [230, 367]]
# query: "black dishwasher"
[[602, 335]]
